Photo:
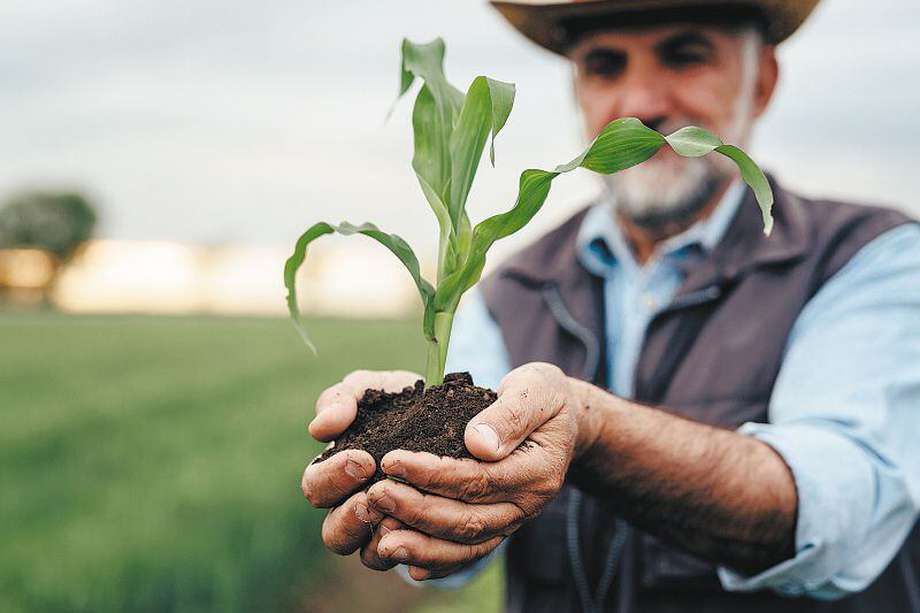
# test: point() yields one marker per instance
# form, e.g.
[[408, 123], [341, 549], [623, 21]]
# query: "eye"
[[685, 50], [603, 63], [685, 57]]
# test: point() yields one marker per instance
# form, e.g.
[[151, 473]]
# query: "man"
[[714, 420]]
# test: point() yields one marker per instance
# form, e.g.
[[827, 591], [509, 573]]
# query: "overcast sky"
[[223, 122]]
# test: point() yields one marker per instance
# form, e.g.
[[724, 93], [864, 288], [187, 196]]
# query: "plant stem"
[[437, 348], [433, 373]]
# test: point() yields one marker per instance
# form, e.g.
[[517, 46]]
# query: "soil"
[[415, 419]]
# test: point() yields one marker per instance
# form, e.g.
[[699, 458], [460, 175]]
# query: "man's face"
[[669, 77]]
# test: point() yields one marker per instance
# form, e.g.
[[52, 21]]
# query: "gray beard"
[[664, 200], [681, 214]]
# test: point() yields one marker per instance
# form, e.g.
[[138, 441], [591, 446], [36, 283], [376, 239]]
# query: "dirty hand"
[[462, 509], [337, 483]]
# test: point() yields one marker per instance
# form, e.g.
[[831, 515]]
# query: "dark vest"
[[713, 356]]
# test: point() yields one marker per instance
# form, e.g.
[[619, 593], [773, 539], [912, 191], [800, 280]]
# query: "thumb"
[[528, 397]]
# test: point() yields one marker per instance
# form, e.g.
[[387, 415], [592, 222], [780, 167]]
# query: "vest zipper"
[[564, 318], [591, 603]]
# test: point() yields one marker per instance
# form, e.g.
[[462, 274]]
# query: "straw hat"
[[549, 23]]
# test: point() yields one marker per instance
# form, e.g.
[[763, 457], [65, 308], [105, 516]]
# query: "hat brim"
[[543, 22]]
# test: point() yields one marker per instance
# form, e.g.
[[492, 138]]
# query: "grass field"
[[153, 463]]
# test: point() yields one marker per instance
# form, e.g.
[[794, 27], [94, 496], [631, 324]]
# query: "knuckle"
[[419, 508], [359, 380], [476, 487], [547, 370], [471, 526], [516, 413], [371, 560], [310, 491]]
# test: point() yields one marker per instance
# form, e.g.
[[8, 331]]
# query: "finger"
[[526, 477], [444, 518], [328, 482], [460, 479], [336, 409], [349, 525], [337, 406], [416, 549], [528, 397], [421, 574], [369, 555]]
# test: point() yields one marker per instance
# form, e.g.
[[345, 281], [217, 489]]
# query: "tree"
[[57, 223]]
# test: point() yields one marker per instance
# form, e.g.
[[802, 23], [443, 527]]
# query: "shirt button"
[[650, 302]]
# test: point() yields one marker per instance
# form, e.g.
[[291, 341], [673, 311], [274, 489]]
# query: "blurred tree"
[[58, 222], [55, 222]]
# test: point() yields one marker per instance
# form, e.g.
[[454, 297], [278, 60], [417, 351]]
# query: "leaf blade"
[[394, 243], [756, 180], [485, 111]]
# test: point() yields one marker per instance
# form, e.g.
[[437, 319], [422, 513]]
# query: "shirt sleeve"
[[477, 347], [844, 416]]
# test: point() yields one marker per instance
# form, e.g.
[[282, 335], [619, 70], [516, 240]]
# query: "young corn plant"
[[451, 130]]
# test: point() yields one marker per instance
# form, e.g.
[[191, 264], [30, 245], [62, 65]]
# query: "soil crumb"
[[415, 419]]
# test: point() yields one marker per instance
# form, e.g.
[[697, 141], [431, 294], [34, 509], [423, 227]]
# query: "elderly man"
[[712, 420]]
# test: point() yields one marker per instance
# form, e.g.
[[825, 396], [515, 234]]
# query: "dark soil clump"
[[415, 419]]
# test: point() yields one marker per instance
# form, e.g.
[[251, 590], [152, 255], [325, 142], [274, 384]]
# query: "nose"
[[644, 96]]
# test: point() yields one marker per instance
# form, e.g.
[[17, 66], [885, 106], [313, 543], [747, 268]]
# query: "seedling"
[[451, 130]]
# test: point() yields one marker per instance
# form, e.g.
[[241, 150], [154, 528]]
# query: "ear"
[[767, 78]]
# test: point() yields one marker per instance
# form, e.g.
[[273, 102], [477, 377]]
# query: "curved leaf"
[[623, 143], [399, 247], [756, 179], [695, 142], [485, 111], [434, 114]]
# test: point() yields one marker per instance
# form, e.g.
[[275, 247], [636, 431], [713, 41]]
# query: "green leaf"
[[695, 142], [623, 143], [692, 142], [502, 96], [399, 247], [754, 177], [485, 111], [533, 189], [434, 114]]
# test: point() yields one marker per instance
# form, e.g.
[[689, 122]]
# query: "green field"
[[153, 463]]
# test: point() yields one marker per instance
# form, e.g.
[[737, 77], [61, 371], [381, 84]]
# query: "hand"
[[462, 509], [335, 483]]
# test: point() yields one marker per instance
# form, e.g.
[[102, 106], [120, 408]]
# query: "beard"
[[666, 191]]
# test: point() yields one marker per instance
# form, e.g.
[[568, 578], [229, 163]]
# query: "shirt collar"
[[600, 243]]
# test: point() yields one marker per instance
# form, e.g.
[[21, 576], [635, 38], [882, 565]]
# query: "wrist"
[[587, 416]]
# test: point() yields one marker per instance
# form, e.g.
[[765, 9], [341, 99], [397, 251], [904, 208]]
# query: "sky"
[[221, 122]]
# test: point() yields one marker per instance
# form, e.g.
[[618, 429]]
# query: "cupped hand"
[[455, 511], [335, 483]]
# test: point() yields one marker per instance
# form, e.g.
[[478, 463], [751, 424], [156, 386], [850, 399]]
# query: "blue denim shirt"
[[845, 409]]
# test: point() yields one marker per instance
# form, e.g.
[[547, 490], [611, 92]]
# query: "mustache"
[[669, 125]]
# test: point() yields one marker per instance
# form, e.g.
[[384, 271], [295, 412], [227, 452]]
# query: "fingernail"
[[384, 530], [394, 468], [488, 435], [401, 554], [355, 470], [362, 513], [384, 503]]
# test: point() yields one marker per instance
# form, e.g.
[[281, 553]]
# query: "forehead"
[[650, 36]]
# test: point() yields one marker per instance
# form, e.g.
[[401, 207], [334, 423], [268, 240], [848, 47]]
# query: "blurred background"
[[157, 162]]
